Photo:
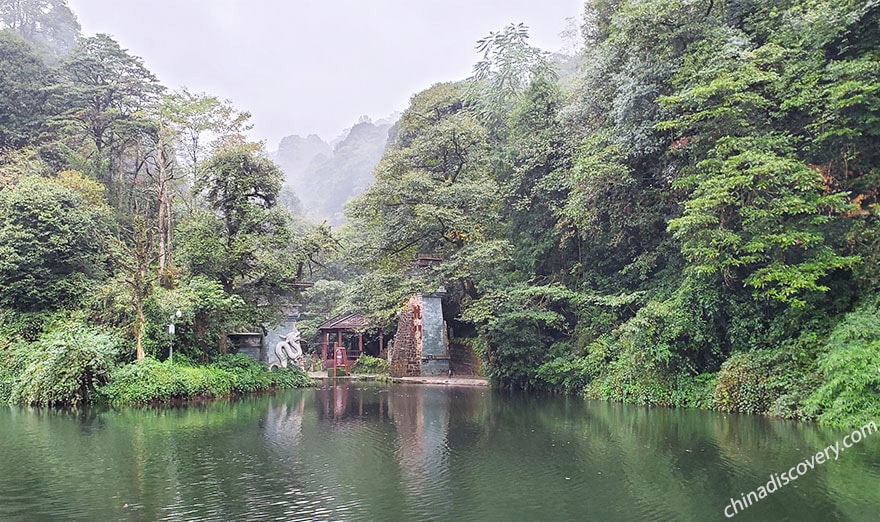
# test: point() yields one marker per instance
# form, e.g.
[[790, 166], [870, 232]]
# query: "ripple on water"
[[419, 453]]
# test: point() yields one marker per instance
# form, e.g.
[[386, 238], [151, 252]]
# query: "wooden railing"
[[350, 357]]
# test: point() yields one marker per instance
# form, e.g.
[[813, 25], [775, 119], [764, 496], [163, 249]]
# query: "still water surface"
[[360, 451]]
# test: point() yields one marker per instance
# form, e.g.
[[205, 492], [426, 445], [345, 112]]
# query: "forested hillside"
[[691, 221], [125, 207]]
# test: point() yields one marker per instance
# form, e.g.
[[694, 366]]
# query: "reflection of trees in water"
[[282, 426], [421, 418], [155, 461], [412, 452], [687, 464]]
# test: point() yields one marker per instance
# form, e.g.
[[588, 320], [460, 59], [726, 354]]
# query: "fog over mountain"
[[326, 175]]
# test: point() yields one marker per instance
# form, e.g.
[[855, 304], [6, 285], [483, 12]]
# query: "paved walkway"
[[446, 381]]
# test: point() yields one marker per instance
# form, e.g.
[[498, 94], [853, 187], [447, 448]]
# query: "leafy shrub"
[[850, 393], [640, 360], [236, 361], [247, 374], [27, 326], [695, 391], [631, 378], [12, 363], [207, 314], [567, 372], [746, 382], [64, 367], [154, 381], [290, 378], [369, 364], [39, 274], [313, 363], [149, 380], [572, 373], [515, 326], [514, 352]]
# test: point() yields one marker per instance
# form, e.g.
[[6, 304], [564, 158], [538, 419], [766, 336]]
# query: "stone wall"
[[275, 335], [248, 343], [405, 353], [463, 360]]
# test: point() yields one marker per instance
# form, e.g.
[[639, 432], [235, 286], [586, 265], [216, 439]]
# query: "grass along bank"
[[155, 381], [72, 364]]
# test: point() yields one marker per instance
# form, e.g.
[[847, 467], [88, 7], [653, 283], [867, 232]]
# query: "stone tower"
[[421, 346]]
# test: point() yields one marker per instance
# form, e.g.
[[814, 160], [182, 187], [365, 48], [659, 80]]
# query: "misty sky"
[[314, 66]]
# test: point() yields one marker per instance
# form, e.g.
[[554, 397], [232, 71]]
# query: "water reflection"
[[357, 451], [282, 426], [350, 401], [421, 421]]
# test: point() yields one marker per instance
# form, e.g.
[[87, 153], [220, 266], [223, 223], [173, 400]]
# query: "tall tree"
[[508, 66], [197, 121], [243, 238], [160, 166], [104, 91], [48, 24], [434, 192], [24, 82]]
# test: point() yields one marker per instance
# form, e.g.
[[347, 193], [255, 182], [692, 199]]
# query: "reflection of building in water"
[[347, 401], [421, 416]]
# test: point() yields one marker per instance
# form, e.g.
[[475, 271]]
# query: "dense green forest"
[[121, 203], [689, 219], [683, 212]]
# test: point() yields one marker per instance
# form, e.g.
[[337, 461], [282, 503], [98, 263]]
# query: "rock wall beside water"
[[421, 346]]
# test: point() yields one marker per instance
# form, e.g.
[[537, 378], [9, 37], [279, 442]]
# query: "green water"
[[404, 452]]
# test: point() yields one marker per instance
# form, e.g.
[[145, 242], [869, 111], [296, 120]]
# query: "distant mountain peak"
[[326, 175]]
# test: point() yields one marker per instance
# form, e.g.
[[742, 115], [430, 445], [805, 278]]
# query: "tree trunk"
[[140, 325], [222, 344], [164, 218]]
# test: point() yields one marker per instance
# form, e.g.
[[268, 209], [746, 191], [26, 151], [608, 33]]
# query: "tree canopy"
[[700, 198]]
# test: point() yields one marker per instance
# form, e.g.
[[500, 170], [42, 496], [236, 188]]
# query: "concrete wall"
[[435, 345]]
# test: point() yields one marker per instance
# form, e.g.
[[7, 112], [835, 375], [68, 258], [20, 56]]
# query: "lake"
[[365, 451]]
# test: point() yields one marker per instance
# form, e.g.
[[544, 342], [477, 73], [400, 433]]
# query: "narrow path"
[[449, 381]]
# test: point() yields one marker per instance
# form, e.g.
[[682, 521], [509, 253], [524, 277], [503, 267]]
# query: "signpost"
[[171, 329]]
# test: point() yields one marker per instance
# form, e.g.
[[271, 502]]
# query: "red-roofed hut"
[[344, 330]]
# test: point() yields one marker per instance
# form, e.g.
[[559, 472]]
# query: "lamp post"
[[171, 329]]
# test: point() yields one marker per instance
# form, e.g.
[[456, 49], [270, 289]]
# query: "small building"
[[352, 334], [260, 346]]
